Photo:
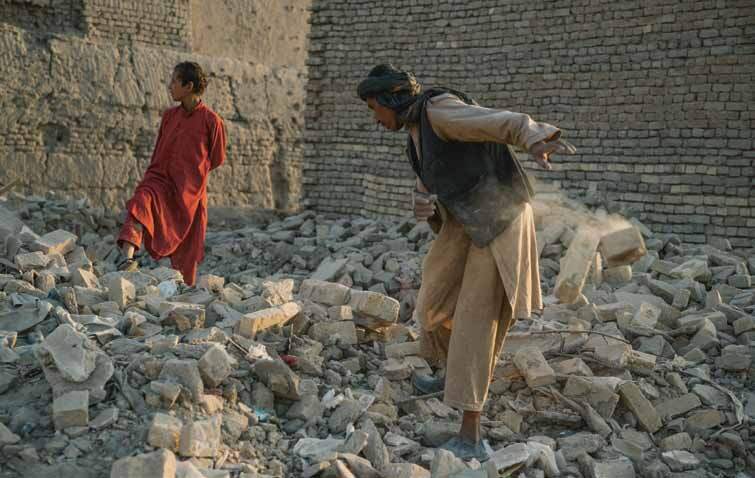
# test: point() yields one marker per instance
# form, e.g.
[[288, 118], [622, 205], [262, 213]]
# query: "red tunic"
[[171, 200]]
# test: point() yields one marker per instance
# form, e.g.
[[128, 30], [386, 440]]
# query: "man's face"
[[177, 90], [385, 116]]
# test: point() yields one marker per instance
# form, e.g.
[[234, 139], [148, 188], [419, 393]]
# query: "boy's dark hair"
[[191, 71]]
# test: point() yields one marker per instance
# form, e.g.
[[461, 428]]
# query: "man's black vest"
[[482, 184]]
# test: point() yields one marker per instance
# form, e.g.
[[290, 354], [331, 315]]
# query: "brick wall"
[[151, 22], [657, 96]]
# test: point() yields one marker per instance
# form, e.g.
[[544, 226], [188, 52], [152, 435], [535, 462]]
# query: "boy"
[[168, 211]]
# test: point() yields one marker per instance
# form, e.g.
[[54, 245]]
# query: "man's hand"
[[541, 151], [424, 205]]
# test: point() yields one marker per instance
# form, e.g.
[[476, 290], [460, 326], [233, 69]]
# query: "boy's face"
[[384, 116], [179, 91]]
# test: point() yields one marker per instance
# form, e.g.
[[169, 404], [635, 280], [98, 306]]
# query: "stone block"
[[215, 365], [165, 432], [576, 264], [740, 281], [401, 350], [678, 406], [210, 282], [158, 464], [703, 420], [185, 373], [618, 275], [575, 366], [680, 460], [250, 324], [640, 406], [85, 278], [622, 247], [55, 242], [278, 377], [532, 364], [735, 358], [745, 324], [340, 312], [71, 410], [681, 299], [121, 291], [343, 332], [375, 305], [678, 441], [201, 438], [328, 293], [31, 261]]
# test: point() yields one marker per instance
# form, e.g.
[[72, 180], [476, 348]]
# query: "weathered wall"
[[81, 107], [271, 32], [657, 96]]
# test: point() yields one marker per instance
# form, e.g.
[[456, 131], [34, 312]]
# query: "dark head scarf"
[[400, 91]]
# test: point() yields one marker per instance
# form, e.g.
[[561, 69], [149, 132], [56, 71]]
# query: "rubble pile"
[[294, 352]]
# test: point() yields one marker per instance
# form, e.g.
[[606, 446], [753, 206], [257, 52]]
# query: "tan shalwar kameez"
[[470, 296]]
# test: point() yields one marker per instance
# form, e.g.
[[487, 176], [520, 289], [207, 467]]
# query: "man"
[[481, 272], [168, 212]]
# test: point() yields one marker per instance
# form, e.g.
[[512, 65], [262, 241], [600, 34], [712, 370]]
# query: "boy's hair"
[[191, 71]]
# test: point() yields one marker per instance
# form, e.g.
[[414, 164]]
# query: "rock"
[[85, 278], [186, 469], [95, 384], [55, 242], [185, 373], [375, 305], [636, 402], [250, 324], [315, 449], [512, 455], [402, 350], [210, 282], [375, 451], [599, 396], [675, 407], [329, 269], [617, 276], [278, 377], [735, 358], [7, 437], [201, 438], [361, 467], [744, 324], [340, 312], [158, 464], [406, 470], [215, 366], [678, 441], [532, 364], [165, 432], [121, 291], [616, 468], [445, 464], [105, 418], [622, 247], [347, 412], [703, 420], [343, 332], [328, 293], [71, 410], [24, 318], [680, 460], [71, 352], [681, 299], [576, 264], [309, 409], [32, 260], [582, 442], [234, 425]]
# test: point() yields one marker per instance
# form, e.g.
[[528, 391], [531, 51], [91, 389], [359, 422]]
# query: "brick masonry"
[[657, 96], [84, 85]]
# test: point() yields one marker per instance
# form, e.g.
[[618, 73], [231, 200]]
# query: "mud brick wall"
[[657, 96], [85, 83], [159, 23]]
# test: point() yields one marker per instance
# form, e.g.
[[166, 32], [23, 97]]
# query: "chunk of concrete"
[[72, 353], [185, 373], [322, 292], [343, 331], [640, 406], [71, 410], [280, 379], [251, 324], [201, 438], [678, 406], [532, 364], [735, 358], [121, 291], [215, 365], [622, 247], [165, 432], [59, 241], [576, 264], [680, 460], [158, 464], [375, 305], [678, 441]]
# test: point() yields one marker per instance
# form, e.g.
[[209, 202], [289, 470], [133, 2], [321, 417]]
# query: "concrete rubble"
[[294, 353]]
